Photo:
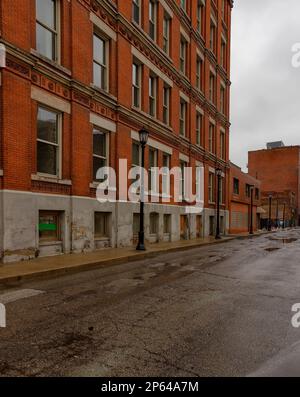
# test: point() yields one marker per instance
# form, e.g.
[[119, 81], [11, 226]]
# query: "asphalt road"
[[222, 310]]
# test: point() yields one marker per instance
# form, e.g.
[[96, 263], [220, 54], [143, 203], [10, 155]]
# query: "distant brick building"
[[241, 187], [82, 77], [278, 169]]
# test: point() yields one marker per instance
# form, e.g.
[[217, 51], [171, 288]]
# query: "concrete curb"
[[86, 266]]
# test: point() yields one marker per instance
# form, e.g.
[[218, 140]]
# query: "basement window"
[[49, 226], [102, 224]]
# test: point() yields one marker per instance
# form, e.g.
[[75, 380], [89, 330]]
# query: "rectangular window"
[[211, 138], [100, 152], [167, 223], [257, 194], [211, 187], [222, 145], [166, 34], [166, 174], [183, 50], [213, 36], [47, 28], [49, 226], [166, 104], [154, 223], [152, 19], [101, 221], [200, 16], [182, 117], [223, 53], [248, 190], [136, 224], [136, 11], [212, 87], [236, 186], [222, 99], [153, 162], [199, 73], [152, 95], [136, 154], [183, 165], [100, 47], [199, 120], [136, 83], [48, 136]]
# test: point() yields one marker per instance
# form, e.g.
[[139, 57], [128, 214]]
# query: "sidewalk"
[[74, 263]]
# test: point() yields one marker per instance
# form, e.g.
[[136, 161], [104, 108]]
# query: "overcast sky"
[[265, 92]]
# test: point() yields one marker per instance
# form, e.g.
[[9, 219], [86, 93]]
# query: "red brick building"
[[242, 186], [278, 169], [81, 78]]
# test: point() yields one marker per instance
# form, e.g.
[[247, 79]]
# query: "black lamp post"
[[270, 213], [219, 176], [143, 136], [251, 209]]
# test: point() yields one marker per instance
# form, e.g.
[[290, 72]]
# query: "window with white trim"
[[136, 11], [166, 174], [183, 55], [200, 16], [152, 19], [222, 145], [211, 138], [153, 163], [100, 61], [166, 33], [199, 73], [48, 141], [182, 117], [213, 36], [212, 87], [152, 95], [223, 53], [222, 99], [199, 122], [211, 187], [166, 104], [47, 28], [136, 85], [100, 151]]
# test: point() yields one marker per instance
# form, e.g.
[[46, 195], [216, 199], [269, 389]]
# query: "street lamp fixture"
[[219, 176], [143, 137], [251, 208]]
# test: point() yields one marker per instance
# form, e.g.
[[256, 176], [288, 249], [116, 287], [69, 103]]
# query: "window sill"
[[57, 65], [51, 179], [47, 243], [101, 238], [102, 91]]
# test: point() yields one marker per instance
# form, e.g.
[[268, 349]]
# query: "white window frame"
[[166, 104], [222, 98], [199, 126], [152, 95], [213, 35], [137, 4], [58, 145], [153, 19], [200, 16], [211, 138], [182, 55], [166, 175], [211, 187], [104, 66], [153, 176], [212, 87], [106, 157], [56, 32], [182, 117], [137, 85], [166, 33]]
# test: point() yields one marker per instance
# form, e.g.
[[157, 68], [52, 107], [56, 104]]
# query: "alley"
[[220, 310]]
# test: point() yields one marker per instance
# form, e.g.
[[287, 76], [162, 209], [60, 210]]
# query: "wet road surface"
[[221, 310]]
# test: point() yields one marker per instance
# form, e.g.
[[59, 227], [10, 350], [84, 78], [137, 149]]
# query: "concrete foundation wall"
[[19, 234]]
